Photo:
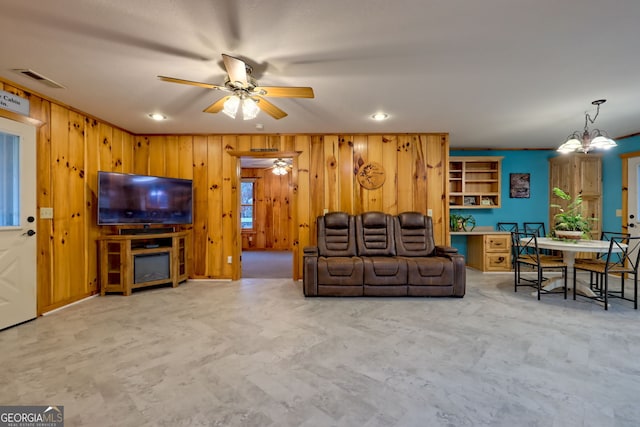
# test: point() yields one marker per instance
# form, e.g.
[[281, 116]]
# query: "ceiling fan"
[[244, 89]]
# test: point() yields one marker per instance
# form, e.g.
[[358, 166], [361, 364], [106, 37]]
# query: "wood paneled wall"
[[71, 148], [74, 146], [272, 211], [323, 177]]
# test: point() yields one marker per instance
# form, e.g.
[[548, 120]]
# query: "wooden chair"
[[528, 254], [621, 260]]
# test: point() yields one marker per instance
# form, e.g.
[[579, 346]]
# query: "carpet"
[[267, 264]]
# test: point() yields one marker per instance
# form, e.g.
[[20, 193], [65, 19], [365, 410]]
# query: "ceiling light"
[[380, 116], [231, 106], [280, 167], [249, 109], [158, 116], [586, 140]]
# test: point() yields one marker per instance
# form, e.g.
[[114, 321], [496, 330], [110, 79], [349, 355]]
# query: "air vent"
[[39, 77]]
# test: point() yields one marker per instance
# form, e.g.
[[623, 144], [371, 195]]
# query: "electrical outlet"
[[326, 211], [429, 212], [229, 259], [618, 213], [46, 213]]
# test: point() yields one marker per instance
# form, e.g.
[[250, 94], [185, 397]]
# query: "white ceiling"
[[493, 73]]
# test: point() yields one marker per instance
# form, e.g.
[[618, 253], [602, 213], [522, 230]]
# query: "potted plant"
[[569, 222], [459, 222]]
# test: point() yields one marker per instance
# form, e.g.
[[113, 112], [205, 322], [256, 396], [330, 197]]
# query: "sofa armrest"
[[310, 251], [310, 271], [446, 250]]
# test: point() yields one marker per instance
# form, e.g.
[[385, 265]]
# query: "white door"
[[633, 207], [17, 223]]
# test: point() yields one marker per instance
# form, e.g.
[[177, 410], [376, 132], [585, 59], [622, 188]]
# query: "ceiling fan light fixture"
[[231, 106], [279, 167], [249, 109]]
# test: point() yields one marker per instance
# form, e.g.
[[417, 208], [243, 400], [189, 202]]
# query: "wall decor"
[[519, 184]]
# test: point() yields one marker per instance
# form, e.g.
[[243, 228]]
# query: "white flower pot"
[[572, 235]]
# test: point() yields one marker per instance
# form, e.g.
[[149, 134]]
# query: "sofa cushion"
[[336, 235], [347, 271], [374, 234], [414, 234], [426, 271]]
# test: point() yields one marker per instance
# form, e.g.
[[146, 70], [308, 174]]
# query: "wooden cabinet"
[[489, 252], [474, 182], [578, 174], [134, 261]]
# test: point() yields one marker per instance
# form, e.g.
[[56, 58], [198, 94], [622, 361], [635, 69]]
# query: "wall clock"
[[371, 175]]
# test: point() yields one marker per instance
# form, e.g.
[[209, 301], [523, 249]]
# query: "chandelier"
[[280, 167], [586, 140]]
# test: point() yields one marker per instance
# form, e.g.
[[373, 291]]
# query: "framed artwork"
[[519, 184]]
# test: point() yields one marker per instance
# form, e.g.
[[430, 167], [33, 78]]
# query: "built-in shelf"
[[474, 182]]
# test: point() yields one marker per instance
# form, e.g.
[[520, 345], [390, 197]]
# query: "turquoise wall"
[[536, 208]]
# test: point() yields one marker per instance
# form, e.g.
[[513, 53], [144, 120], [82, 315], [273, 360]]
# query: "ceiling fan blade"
[[285, 92], [217, 106], [237, 70], [270, 109], [189, 82]]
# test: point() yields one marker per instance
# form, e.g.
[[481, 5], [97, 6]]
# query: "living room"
[[240, 337]]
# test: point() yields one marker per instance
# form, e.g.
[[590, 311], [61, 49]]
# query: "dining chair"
[[535, 227], [511, 227], [528, 254], [594, 279], [507, 226], [621, 260]]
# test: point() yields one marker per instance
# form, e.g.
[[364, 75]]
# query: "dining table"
[[569, 249]]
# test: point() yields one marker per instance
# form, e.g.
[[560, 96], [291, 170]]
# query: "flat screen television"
[[143, 199]]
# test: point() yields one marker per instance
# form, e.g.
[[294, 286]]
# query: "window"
[[9, 180], [247, 189]]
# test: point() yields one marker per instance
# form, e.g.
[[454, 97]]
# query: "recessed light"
[[380, 116], [157, 116]]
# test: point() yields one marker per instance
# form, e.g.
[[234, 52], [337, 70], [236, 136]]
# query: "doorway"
[[632, 211], [18, 288], [266, 212]]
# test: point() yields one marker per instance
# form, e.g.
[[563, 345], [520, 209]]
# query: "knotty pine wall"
[[323, 177], [73, 146]]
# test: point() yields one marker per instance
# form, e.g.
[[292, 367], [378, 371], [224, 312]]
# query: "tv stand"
[[132, 261]]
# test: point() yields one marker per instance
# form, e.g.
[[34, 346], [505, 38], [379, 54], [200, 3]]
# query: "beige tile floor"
[[257, 353]]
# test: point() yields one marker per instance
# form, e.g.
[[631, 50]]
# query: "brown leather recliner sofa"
[[376, 254]]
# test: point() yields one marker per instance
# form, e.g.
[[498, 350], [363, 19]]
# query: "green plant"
[[459, 222], [570, 217]]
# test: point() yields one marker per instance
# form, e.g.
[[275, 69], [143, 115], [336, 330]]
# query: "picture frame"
[[469, 201], [519, 185]]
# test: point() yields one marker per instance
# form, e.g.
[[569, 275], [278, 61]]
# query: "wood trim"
[[265, 154], [20, 118]]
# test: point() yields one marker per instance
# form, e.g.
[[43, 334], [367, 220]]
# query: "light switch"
[[429, 212], [46, 213]]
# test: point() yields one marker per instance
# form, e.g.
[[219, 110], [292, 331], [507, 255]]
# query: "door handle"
[[29, 233]]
